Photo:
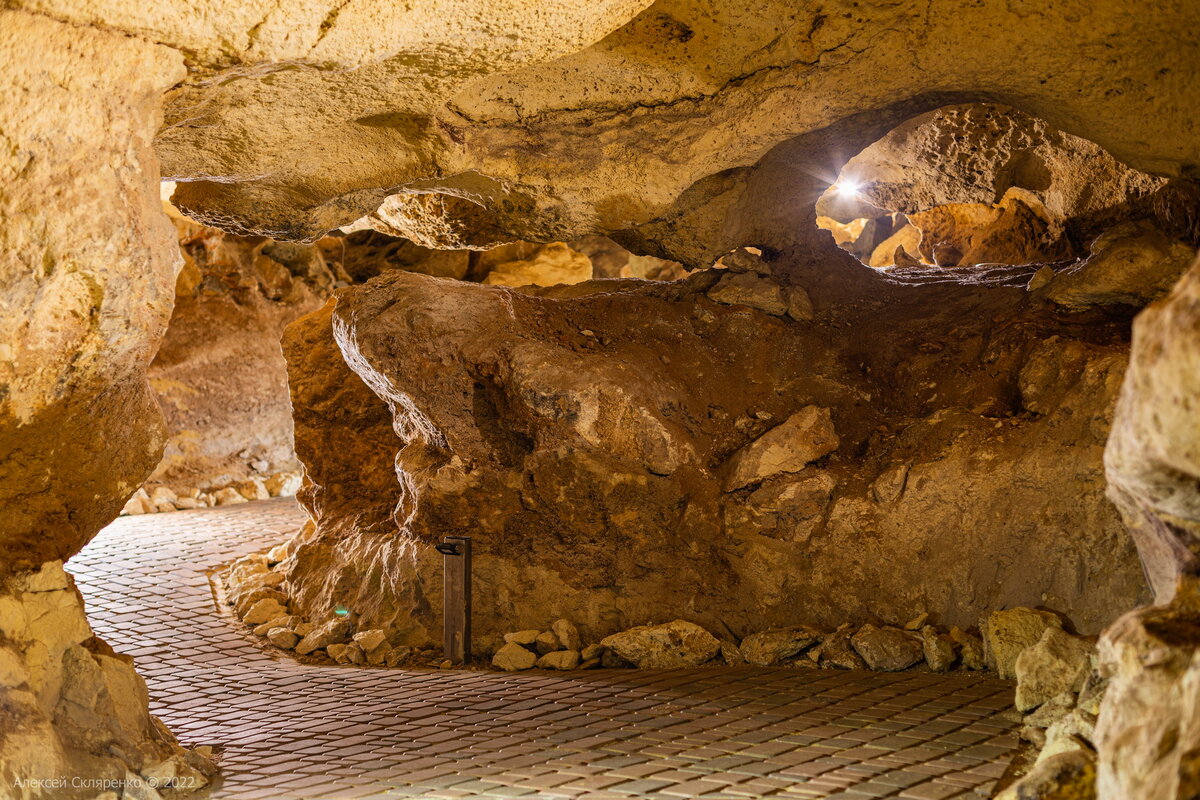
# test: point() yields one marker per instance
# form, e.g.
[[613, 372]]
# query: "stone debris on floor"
[[285, 730]]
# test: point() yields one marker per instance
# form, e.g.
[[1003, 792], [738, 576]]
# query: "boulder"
[[1065, 776], [282, 638], [771, 647], [756, 291], [567, 633], [263, 611], [887, 649], [939, 649], [547, 642], [1006, 634], [560, 659], [731, 654], [1131, 264], [513, 657], [970, 648], [526, 638], [838, 652], [788, 447], [1146, 736], [1058, 663], [335, 631], [370, 640], [667, 646]]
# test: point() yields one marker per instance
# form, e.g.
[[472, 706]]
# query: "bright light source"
[[846, 187]]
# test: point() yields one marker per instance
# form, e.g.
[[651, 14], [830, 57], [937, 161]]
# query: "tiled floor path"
[[295, 731]]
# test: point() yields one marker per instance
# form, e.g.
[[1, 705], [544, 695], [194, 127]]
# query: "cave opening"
[[984, 184]]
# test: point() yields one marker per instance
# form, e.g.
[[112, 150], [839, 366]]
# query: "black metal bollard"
[[456, 602]]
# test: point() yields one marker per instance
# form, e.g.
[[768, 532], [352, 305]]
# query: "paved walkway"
[[295, 731]]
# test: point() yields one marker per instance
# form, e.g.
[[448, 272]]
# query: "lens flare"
[[846, 187]]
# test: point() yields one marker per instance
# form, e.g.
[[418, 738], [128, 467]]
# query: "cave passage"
[[818, 388]]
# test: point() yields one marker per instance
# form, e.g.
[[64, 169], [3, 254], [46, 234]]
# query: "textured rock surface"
[[1058, 663], [72, 707], [668, 646], [586, 433], [86, 280], [771, 647], [1007, 634], [87, 266], [1152, 460], [1131, 264], [976, 154], [1148, 734], [887, 649], [219, 374], [528, 135]]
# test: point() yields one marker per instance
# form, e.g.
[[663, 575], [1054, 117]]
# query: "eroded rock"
[[887, 649], [1007, 634], [668, 646], [771, 647], [1057, 663]]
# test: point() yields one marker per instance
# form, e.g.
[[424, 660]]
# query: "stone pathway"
[[295, 731]]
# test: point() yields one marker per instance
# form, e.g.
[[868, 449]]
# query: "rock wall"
[[219, 374], [623, 452], [1148, 733], [87, 265], [1153, 457]]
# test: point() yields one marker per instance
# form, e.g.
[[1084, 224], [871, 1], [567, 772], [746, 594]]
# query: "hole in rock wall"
[[985, 184]]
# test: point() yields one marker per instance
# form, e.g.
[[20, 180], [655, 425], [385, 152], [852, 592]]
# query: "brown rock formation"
[[87, 263], [219, 374], [582, 434], [1153, 456]]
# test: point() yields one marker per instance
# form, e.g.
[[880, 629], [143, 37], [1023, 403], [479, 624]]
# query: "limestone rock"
[[263, 611], [771, 647], [379, 655], [1058, 663], [755, 291], [335, 631], [788, 447], [970, 647], [1065, 776], [588, 449], [548, 265], [591, 651], [560, 659], [567, 633], [838, 652], [337, 651], [667, 646], [1145, 737], [887, 649], [527, 638], [1129, 264], [252, 489], [370, 640], [282, 638], [547, 642], [1051, 711], [283, 484], [938, 649], [512, 657], [228, 497], [1006, 634], [1152, 458], [731, 654]]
